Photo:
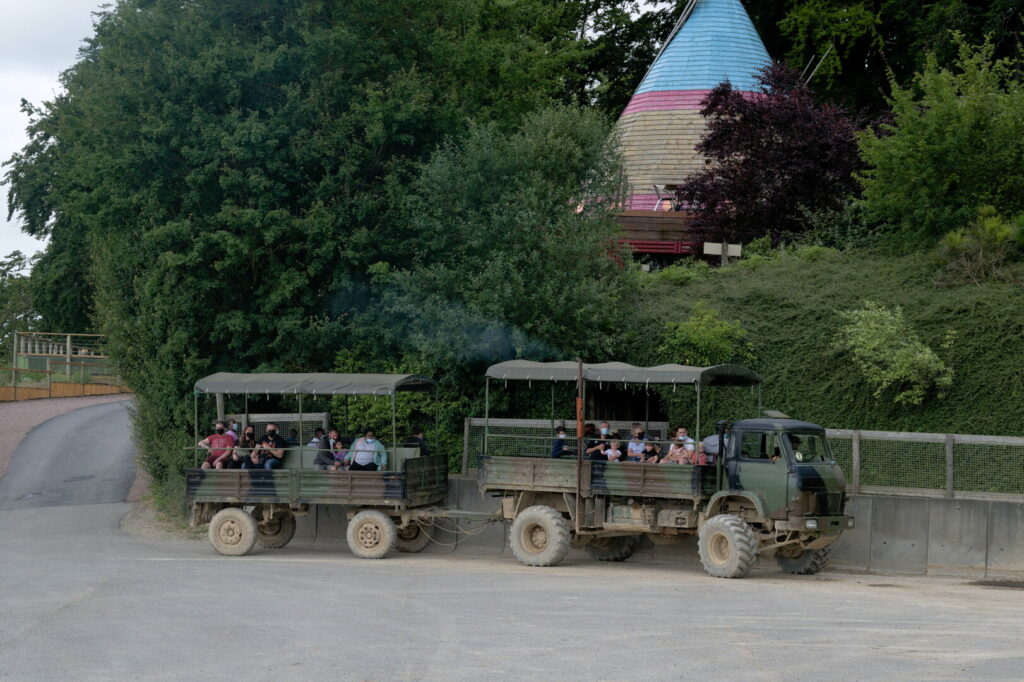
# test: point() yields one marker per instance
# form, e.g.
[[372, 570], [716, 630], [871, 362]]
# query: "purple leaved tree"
[[773, 156]]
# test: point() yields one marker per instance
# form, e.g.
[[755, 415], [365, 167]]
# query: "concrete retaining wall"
[[915, 535], [904, 535]]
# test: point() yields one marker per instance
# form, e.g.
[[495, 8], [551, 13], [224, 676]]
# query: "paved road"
[[82, 599], [83, 457]]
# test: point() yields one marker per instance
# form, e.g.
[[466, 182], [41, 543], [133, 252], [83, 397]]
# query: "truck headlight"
[[811, 524], [849, 522]]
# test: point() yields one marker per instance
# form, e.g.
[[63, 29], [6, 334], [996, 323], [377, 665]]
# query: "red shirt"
[[220, 443]]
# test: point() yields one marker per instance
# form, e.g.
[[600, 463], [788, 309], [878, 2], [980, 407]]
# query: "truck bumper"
[[816, 524]]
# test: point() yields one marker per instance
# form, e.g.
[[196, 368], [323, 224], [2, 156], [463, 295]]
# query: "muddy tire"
[[664, 540], [808, 562], [540, 536], [232, 531], [728, 548], [411, 539], [277, 532], [371, 534], [616, 548]]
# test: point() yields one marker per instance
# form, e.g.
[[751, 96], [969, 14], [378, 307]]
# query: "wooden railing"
[[30, 384]]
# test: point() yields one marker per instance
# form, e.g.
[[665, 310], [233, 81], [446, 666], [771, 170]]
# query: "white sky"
[[38, 40]]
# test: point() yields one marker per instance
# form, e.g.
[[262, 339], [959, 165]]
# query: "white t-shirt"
[[635, 447]]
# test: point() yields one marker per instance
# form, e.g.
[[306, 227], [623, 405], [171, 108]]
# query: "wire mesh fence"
[[874, 462]]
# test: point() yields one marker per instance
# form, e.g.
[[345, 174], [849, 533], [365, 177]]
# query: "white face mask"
[[561, 435]]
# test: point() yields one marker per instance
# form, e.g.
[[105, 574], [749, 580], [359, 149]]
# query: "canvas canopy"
[[314, 384], [621, 372]]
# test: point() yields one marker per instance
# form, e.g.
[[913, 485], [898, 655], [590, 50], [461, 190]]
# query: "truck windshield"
[[808, 447]]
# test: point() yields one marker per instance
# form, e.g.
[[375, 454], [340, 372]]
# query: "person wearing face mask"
[[558, 448], [367, 453], [240, 456], [219, 445], [271, 449]]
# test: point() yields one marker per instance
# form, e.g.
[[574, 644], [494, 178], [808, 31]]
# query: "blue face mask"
[[604, 430], [370, 441]]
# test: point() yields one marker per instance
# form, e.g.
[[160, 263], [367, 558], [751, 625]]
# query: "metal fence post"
[[855, 463], [949, 465], [465, 446]]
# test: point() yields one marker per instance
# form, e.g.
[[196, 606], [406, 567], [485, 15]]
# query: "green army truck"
[[773, 490], [384, 508]]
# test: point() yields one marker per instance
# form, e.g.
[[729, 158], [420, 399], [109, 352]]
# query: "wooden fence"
[[23, 384]]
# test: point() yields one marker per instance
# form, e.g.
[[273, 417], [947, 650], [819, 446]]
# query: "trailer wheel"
[[413, 538], [277, 532], [371, 534], [615, 548], [807, 562], [232, 531], [540, 536], [728, 548]]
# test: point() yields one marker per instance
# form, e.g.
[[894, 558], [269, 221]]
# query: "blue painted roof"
[[717, 42]]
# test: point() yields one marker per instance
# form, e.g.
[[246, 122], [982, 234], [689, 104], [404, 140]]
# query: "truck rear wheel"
[[540, 536], [371, 534], [277, 532], [727, 547], [615, 548], [413, 538], [807, 562], [232, 531]]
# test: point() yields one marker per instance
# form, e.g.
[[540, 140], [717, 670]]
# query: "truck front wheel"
[[807, 562], [540, 536], [728, 548], [616, 548]]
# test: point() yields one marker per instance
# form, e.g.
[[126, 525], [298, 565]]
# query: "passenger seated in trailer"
[[318, 436], [651, 454], [293, 438], [245, 445], [269, 454], [558, 448], [613, 452], [340, 452], [592, 448], [233, 429], [711, 447], [635, 448], [416, 440], [367, 453], [219, 444]]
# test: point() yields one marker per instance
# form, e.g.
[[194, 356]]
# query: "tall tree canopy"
[[236, 176]]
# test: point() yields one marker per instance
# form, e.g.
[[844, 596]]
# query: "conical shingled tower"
[[713, 41]]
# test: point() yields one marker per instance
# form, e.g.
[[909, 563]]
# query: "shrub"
[[681, 274], [890, 355], [705, 339], [981, 251]]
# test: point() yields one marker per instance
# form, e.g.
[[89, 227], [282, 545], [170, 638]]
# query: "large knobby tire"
[[277, 532], [371, 534], [808, 562], [540, 536], [232, 531], [413, 538], [664, 540], [615, 548], [728, 548]]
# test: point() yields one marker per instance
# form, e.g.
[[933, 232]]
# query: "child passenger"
[[635, 449], [650, 453], [613, 452]]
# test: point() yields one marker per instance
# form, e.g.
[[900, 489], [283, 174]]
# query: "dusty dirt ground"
[[20, 417]]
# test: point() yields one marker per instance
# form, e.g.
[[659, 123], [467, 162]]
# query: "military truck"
[[774, 489], [384, 508]]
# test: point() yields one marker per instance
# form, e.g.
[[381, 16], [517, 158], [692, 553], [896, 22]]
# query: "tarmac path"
[[82, 457], [82, 599]]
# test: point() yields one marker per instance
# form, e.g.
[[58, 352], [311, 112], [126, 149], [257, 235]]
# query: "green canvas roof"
[[314, 384], [621, 372]]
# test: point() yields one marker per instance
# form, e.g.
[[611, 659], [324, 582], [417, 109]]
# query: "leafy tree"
[[16, 311], [775, 157], [955, 142], [890, 355]]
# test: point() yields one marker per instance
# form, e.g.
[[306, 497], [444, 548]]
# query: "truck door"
[[760, 467]]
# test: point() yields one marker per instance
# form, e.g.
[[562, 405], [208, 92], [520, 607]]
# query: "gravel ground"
[[20, 417]]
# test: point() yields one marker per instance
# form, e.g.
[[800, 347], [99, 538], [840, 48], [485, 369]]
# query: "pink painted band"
[[669, 100]]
